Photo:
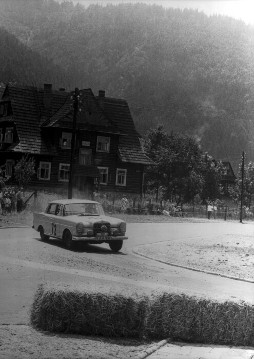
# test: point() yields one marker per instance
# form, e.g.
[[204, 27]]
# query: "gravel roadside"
[[24, 342], [226, 255]]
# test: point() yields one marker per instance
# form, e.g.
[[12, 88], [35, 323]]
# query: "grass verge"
[[180, 317]]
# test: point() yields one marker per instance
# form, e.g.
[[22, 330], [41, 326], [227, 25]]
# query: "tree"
[[248, 185], [24, 170], [212, 174], [155, 142], [181, 171], [182, 162]]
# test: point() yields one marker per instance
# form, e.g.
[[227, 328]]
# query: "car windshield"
[[84, 209]]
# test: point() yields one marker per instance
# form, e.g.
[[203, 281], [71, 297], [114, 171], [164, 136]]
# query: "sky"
[[238, 9]]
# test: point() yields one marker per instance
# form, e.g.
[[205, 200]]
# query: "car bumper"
[[99, 238]]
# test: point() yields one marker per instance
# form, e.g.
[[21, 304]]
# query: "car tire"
[[115, 246], [67, 237], [44, 237]]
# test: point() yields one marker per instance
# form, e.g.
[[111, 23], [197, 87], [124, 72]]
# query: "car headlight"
[[122, 227], [79, 228]]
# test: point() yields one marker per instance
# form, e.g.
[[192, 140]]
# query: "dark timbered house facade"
[[38, 122]]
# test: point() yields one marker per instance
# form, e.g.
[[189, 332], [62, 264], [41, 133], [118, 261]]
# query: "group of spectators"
[[11, 200], [211, 208]]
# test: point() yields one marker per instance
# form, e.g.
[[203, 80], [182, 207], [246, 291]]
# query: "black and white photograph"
[[126, 179]]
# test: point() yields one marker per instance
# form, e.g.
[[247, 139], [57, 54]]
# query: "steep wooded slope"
[[21, 64], [190, 72]]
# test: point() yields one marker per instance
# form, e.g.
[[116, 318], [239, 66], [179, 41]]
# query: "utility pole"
[[242, 188], [75, 100]]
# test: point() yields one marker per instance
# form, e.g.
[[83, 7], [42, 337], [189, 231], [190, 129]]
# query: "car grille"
[[101, 227]]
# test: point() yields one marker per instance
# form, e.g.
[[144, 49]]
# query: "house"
[[228, 177], [38, 121]]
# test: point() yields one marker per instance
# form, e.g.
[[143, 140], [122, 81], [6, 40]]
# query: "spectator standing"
[[14, 200], [19, 200], [209, 210], [7, 203], [124, 204], [214, 210]]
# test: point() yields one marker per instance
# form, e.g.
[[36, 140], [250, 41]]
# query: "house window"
[[64, 171], [5, 109], [44, 171], [121, 175], [9, 168], [8, 138], [85, 156], [103, 175], [1, 135], [65, 141], [103, 144]]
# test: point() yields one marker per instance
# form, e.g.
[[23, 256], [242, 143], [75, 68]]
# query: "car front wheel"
[[116, 245], [43, 236], [68, 240]]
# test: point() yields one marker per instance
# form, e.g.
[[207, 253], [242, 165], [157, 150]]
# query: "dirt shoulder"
[[227, 255], [21, 341]]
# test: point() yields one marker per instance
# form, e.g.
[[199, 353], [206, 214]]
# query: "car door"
[[58, 224], [50, 225]]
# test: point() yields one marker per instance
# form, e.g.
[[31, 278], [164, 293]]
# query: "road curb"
[[153, 349]]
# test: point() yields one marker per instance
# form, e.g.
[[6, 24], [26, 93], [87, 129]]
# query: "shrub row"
[[69, 310], [180, 317]]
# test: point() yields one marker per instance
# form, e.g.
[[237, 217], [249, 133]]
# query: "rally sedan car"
[[74, 220]]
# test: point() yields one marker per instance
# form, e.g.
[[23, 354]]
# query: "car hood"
[[90, 220]]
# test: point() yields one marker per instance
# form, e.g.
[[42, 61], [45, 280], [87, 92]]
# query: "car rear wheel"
[[68, 240], [116, 245], [44, 237]]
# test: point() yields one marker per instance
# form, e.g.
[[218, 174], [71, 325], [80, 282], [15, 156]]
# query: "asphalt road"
[[25, 262]]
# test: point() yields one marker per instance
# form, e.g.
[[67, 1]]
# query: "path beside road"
[[192, 351]]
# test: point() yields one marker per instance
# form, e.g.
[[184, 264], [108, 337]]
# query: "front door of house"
[[84, 186]]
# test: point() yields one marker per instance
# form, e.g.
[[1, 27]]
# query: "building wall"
[[99, 159]]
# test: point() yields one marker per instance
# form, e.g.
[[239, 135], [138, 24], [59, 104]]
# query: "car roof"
[[73, 200]]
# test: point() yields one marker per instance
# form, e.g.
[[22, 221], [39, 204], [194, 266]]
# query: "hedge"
[[114, 314]]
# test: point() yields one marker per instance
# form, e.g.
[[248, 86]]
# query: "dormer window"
[[5, 109], [8, 138], [65, 141], [103, 144]]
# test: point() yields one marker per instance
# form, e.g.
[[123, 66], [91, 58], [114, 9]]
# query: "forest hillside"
[[192, 73]]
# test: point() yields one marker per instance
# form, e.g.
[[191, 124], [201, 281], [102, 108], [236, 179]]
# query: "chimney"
[[47, 96], [101, 97]]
